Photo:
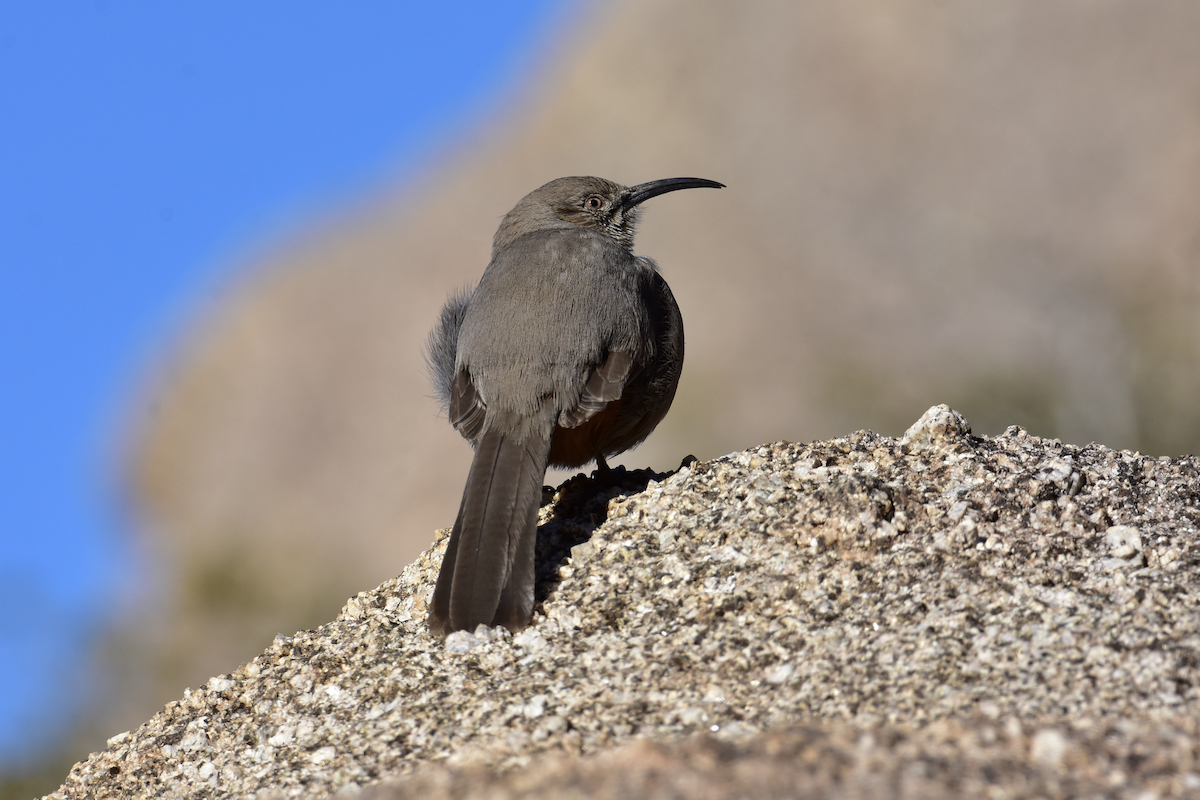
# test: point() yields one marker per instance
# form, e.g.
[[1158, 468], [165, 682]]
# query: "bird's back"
[[547, 311]]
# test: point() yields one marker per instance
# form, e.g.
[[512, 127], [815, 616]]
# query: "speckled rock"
[[1007, 590], [942, 760]]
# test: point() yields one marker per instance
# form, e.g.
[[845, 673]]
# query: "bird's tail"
[[487, 574]]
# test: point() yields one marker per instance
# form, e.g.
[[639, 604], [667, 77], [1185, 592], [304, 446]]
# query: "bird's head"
[[594, 203]]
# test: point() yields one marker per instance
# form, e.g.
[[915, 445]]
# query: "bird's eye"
[[594, 202]]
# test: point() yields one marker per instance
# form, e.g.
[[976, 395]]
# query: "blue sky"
[[143, 148]]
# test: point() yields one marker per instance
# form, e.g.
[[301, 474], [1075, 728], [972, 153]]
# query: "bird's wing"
[[466, 407], [605, 385]]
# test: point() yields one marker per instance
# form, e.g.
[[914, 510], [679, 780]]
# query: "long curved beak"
[[644, 191]]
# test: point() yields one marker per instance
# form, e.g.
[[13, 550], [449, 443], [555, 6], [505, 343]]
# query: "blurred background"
[[226, 233]]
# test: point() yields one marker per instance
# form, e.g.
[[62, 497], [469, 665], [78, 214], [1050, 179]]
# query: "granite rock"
[[939, 615]]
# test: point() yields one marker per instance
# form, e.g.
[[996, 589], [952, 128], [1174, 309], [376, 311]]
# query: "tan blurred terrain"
[[995, 206]]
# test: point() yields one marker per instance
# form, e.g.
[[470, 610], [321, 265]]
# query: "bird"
[[567, 351]]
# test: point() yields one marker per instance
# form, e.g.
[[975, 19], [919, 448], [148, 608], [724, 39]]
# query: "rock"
[[933, 617], [940, 425]]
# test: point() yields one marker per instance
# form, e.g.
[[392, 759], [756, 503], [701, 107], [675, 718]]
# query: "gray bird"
[[568, 351]]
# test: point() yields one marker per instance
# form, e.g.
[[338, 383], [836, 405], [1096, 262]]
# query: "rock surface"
[[945, 759], [938, 615]]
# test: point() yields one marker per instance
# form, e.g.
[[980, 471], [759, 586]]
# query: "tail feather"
[[487, 574]]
